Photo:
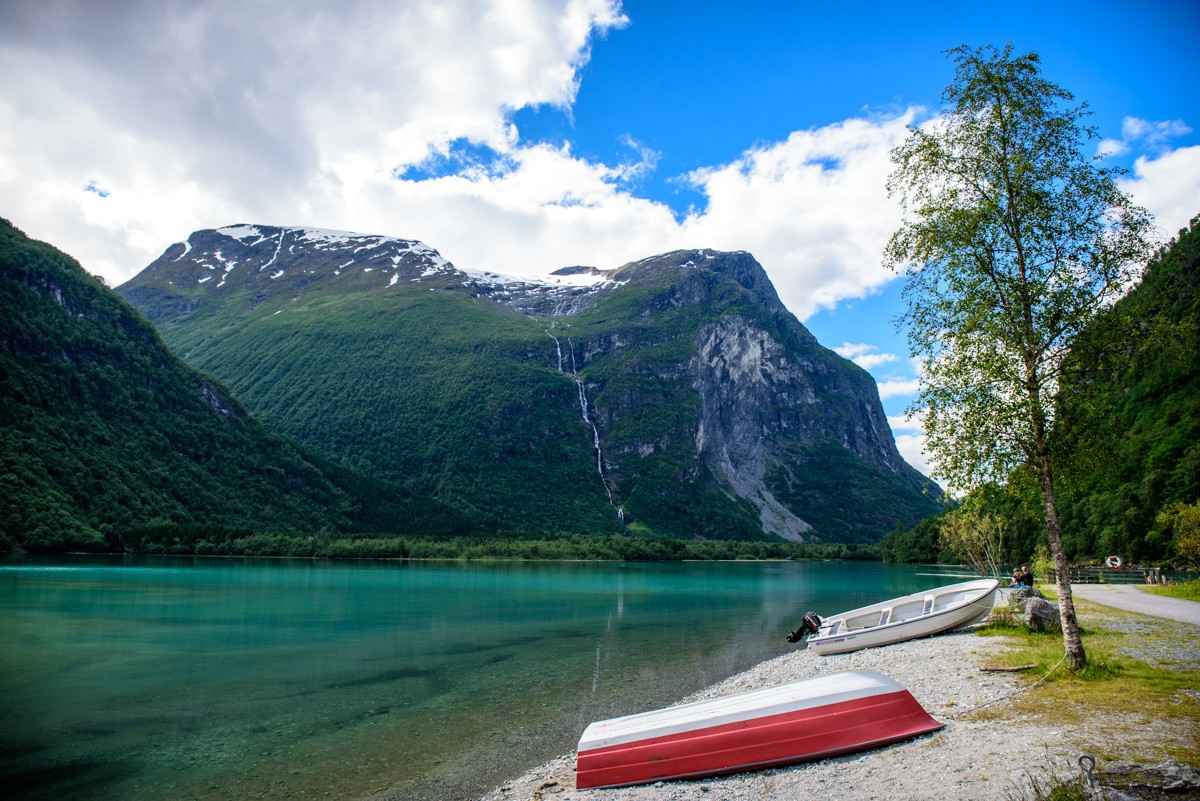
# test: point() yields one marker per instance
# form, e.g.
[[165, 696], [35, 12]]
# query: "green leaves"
[[1012, 240]]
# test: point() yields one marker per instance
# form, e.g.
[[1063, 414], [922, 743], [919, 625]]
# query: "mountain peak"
[[684, 266]]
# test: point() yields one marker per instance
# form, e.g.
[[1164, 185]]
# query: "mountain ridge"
[[697, 402]]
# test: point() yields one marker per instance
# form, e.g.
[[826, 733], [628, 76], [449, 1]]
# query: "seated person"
[[1021, 579], [1018, 580]]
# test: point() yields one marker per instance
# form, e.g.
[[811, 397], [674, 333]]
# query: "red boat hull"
[[778, 739]]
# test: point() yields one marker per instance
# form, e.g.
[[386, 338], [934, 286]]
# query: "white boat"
[[905, 618]]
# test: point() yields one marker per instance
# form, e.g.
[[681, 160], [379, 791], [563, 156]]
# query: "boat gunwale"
[[876, 684], [844, 636]]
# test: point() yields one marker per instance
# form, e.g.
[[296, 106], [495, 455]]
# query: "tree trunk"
[[1076, 658], [1072, 643]]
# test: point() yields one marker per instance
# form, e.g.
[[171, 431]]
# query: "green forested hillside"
[[103, 431], [383, 384], [716, 413], [1127, 428]]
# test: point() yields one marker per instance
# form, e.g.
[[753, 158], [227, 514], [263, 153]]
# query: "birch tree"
[[1013, 237]]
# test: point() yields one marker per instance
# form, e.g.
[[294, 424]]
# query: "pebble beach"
[[968, 759]]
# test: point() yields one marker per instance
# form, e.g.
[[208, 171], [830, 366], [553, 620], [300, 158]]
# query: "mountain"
[[675, 395], [1128, 419], [103, 430]]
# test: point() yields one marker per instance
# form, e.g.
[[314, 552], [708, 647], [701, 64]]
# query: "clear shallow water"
[[215, 678]]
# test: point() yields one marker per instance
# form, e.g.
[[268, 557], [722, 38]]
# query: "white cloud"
[[864, 355], [1153, 133], [647, 159], [903, 422], [848, 350], [871, 360], [1147, 134], [191, 118], [812, 208], [912, 448], [1169, 186], [898, 387], [198, 115]]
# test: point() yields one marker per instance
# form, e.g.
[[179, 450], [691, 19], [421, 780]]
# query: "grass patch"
[[1049, 787], [1187, 590], [1045, 649], [1115, 698]]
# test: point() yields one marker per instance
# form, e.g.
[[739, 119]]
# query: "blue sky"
[[699, 88], [523, 135]]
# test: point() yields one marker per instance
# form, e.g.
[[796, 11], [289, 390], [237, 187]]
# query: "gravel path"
[[1132, 599], [967, 759]]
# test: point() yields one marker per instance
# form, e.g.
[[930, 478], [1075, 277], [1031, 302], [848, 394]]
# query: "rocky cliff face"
[[675, 394], [768, 398], [744, 378]]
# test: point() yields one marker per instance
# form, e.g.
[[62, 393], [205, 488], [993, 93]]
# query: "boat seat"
[[928, 605], [907, 611], [886, 617]]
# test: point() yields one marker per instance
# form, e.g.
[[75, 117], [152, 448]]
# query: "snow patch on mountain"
[[489, 278], [240, 232]]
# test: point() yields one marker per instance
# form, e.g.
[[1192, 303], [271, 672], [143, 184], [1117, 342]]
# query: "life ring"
[[1113, 561]]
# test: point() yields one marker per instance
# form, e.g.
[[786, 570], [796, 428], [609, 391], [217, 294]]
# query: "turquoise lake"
[[220, 678]]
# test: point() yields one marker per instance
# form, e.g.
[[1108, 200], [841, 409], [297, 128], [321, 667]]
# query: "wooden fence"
[[1088, 574]]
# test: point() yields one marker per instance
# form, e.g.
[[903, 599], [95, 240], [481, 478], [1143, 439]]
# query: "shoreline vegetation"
[[204, 541]]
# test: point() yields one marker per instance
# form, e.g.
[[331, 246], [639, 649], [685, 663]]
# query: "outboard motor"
[[810, 625]]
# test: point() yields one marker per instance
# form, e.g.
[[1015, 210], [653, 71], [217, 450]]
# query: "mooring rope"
[[1017, 691]]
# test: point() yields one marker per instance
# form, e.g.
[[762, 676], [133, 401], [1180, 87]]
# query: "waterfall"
[[587, 419], [557, 347]]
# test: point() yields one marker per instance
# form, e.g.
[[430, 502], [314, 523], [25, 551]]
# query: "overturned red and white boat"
[[800, 721]]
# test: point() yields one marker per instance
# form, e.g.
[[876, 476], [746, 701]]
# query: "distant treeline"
[[920, 544], [202, 541]]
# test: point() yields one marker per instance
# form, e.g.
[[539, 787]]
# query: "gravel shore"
[[965, 760]]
